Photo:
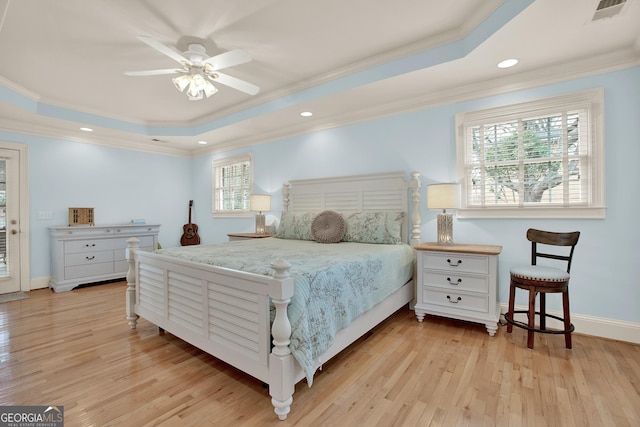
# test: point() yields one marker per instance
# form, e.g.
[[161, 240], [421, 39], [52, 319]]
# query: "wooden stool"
[[537, 279]]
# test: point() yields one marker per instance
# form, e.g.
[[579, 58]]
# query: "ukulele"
[[190, 231]]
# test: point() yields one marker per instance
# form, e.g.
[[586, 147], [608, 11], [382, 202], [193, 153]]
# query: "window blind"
[[232, 185], [529, 161]]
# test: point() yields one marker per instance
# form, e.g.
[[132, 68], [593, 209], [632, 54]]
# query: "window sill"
[[529, 212], [232, 215]]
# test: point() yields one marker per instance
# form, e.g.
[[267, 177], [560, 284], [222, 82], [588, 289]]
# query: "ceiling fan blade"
[[164, 49], [235, 83], [228, 59], [154, 72]]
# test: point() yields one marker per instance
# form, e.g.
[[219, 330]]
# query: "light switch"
[[45, 215]]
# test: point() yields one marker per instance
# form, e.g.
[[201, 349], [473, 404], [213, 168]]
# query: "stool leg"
[[543, 311], [532, 317], [567, 319], [512, 302]]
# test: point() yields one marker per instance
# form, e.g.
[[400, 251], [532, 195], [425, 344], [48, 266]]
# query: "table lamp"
[[260, 203], [444, 196]]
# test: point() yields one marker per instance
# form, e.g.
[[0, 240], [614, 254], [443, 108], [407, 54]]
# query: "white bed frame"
[[226, 312]]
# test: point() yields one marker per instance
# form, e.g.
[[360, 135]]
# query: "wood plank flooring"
[[76, 350]]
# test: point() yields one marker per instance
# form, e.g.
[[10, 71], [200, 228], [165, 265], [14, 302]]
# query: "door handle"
[[14, 231]]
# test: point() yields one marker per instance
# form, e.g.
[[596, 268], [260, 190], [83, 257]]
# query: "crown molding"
[[33, 129], [585, 67], [614, 61]]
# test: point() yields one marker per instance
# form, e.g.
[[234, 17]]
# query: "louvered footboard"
[[221, 311]]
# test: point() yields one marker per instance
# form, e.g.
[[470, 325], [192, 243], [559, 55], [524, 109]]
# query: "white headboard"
[[359, 193]]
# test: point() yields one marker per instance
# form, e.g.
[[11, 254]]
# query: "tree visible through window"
[[528, 161], [232, 184], [537, 155]]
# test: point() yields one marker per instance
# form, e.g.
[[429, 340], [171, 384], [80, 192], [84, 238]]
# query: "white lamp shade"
[[443, 196], [260, 202]]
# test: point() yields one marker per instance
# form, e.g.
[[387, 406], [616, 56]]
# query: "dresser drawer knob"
[[90, 245], [452, 301], [454, 283], [89, 258], [454, 264]]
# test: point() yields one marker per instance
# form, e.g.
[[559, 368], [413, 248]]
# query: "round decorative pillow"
[[328, 227]]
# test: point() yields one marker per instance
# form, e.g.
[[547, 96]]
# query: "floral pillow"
[[296, 225], [374, 227]]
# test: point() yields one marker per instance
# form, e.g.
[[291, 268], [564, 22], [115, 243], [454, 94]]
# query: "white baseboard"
[[40, 282], [597, 326]]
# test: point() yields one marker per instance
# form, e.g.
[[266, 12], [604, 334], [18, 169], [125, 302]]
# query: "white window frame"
[[227, 161], [592, 101]]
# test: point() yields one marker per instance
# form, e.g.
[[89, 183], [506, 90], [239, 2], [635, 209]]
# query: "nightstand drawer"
[[456, 300], [463, 263], [455, 282]]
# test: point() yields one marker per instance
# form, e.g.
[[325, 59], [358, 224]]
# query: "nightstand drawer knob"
[[454, 264], [454, 283], [452, 301]]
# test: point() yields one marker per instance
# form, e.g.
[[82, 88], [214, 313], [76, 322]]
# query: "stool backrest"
[[552, 238]]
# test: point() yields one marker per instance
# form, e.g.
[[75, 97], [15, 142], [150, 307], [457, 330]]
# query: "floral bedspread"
[[333, 283]]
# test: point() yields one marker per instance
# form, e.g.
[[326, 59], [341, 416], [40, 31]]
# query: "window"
[[540, 159], [232, 185]]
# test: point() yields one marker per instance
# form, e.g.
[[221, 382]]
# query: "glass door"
[[9, 221]]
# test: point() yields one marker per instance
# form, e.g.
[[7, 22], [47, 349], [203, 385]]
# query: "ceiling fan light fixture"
[[209, 89], [198, 68], [181, 82], [195, 84]]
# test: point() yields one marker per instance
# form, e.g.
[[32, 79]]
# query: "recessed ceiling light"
[[507, 63], [86, 129], [306, 114], [202, 142]]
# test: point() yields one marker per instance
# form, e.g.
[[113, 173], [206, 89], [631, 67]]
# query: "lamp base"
[[445, 229], [260, 224]]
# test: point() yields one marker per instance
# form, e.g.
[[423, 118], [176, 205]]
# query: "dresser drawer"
[[78, 271], [89, 245], [463, 263], [456, 300], [455, 282], [146, 244], [81, 255], [88, 258]]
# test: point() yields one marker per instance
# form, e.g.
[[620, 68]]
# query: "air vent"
[[608, 9]]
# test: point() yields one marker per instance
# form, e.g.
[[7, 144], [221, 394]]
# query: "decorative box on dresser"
[[89, 254], [459, 281]]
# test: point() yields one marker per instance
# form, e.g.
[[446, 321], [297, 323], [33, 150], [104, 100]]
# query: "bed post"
[[285, 197], [132, 317], [281, 375], [416, 235]]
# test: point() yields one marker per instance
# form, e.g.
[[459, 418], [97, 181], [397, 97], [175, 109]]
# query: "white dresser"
[[458, 281], [89, 254]]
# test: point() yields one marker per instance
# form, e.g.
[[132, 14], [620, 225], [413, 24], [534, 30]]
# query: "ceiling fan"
[[197, 68]]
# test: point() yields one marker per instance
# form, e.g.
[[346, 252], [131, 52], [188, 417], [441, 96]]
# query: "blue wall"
[[606, 271], [120, 184], [123, 184]]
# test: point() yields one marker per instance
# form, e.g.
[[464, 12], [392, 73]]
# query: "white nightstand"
[[245, 236], [458, 281]]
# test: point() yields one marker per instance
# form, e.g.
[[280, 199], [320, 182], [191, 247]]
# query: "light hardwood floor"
[[75, 349]]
